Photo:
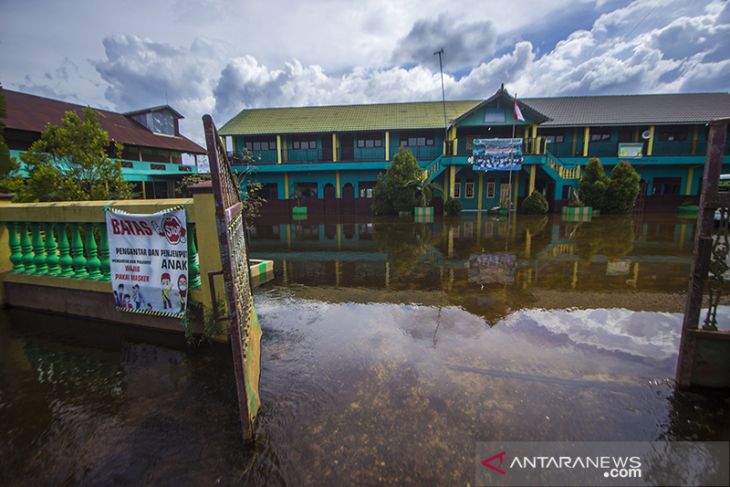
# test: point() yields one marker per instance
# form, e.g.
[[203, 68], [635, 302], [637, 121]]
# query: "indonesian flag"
[[518, 112]]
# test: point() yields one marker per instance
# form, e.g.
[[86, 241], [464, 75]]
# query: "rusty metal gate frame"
[[709, 253], [244, 328]]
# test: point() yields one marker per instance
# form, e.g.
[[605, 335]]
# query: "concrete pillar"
[[334, 147], [650, 143], [209, 253], [278, 149], [452, 180], [338, 188], [558, 191], [586, 140], [533, 173], [387, 145], [286, 186]]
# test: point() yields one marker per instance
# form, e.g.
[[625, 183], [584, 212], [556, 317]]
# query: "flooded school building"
[[333, 154]]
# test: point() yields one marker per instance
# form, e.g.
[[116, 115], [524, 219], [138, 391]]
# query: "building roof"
[[565, 111], [343, 118], [155, 109], [33, 113], [679, 108]]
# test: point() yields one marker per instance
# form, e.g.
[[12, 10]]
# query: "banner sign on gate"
[[496, 155], [148, 257]]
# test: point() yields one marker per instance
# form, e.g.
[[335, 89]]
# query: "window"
[[673, 134], [304, 144], [457, 190], [555, 139], [469, 189], [259, 145], [417, 141], [491, 187], [369, 143], [600, 136]]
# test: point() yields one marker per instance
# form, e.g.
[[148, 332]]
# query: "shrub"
[[396, 190], [594, 184], [623, 188], [535, 204], [452, 206]]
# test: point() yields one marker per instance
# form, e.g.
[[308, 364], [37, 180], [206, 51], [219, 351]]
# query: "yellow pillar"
[[209, 253], [586, 140], [650, 145], [533, 173], [387, 145], [278, 149], [535, 149], [517, 189], [285, 277], [528, 243], [339, 236], [144, 191], [284, 153], [334, 147], [288, 236], [636, 274], [688, 186], [387, 274], [337, 273], [480, 191], [286, 186], [694, 140], [452, 180], [337, 182]]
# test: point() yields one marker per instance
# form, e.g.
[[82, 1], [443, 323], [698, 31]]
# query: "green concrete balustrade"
[[74, 249]]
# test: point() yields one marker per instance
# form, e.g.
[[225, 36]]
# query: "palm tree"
[[424, 190]]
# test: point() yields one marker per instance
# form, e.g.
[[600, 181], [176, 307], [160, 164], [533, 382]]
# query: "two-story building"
[[155, 156], [334, 153]]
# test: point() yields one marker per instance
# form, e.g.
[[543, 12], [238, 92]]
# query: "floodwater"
[[390, 348]]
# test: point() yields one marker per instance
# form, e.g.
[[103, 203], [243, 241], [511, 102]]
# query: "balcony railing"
[[138, 167]]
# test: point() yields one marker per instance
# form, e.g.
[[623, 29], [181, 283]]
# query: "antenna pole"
[[440, 53]]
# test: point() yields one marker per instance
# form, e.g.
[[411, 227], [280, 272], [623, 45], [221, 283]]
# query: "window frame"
[[467, 186]]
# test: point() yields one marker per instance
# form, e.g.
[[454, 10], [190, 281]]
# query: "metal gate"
[[244, 327], [710, 263]]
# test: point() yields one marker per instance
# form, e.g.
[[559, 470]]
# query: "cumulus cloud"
[[465, 43], [646, 46]]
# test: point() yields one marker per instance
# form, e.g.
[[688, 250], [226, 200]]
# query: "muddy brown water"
[[389, 349]]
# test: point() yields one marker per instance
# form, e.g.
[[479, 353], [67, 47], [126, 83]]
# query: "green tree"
[[71, 162], [594, 184], [622, 189], [396, 190], [6, 165]]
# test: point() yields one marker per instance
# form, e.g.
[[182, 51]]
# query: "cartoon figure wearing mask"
[[137, 297], [182, 291], [166, 290]]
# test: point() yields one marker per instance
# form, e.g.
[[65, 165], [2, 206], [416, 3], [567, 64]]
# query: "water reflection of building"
[[613, 254]]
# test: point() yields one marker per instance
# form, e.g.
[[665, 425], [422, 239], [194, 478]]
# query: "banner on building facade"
[[496, 155], [630, 150], [148, 257]]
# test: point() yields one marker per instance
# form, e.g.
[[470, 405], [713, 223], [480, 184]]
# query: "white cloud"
[[645, 46]]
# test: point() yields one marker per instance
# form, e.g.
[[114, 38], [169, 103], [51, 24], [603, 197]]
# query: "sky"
[[221, 56]]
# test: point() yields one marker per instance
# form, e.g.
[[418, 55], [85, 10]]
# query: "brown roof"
[[33, 113]]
